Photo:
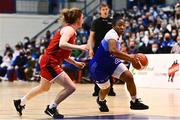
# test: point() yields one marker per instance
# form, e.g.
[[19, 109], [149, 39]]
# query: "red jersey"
[[55, 51], [50, 62]]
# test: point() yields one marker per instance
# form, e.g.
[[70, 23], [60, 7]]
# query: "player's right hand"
[[132, 58], [84, 47], [91, 53]]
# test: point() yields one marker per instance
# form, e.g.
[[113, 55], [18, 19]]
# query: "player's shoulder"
[[68, 29], [111, 34]]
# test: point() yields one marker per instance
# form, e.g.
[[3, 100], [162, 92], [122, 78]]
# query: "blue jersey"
[[103, 63]]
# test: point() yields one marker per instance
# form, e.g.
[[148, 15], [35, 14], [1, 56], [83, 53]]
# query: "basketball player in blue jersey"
[[107, 62]]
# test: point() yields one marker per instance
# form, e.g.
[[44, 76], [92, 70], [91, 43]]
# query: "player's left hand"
[[80, 65]]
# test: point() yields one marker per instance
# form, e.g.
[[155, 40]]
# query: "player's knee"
[[72, 88], [129, 78]]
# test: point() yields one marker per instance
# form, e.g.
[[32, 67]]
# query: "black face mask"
[[127, 37], [167, 39], [8, 48], [132, 47], [21, 54]]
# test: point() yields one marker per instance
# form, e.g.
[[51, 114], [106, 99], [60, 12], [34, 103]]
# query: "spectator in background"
[[16, 53], [177, 14], [48, 36], [99, 28], [8, 49], [29, 66], [160, 37], [174, 34], [132, 47], [154, 49], [26, 42], [6, 65], [167, 44], [176, 48], [19, 64]]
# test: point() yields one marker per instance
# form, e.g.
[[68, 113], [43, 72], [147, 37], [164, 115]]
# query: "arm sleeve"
[[111, 35]]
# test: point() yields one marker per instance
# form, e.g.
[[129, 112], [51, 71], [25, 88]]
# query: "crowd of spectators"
[[150, 30]]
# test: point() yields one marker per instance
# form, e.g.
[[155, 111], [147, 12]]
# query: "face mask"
[[8, 48], [37, 45], [160, 36], [178, 42], [139, 22], [151, 10], [145, 8], [21, 54], [134, 25], [127, 37], [151, 41], [167, 38], [132, 47], [173, 34], [154, 49], [141, 35]]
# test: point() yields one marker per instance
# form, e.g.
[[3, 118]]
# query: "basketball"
[[141, 63]]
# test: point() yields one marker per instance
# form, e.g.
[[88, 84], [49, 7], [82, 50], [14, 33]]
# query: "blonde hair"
[[70, 16]]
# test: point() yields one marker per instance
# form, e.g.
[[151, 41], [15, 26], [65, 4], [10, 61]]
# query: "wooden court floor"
[[163, 103]]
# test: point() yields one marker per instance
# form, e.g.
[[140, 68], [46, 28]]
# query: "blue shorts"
[[100, 73]]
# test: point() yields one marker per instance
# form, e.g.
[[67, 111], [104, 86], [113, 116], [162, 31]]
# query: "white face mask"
[[160, 36], [154, 49], [173, 34], [178, 42]]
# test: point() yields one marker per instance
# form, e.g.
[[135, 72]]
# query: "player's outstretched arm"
[[115, 51], [66, 34]]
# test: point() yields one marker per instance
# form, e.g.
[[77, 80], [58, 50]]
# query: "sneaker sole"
[[48, 113], [139, 108]]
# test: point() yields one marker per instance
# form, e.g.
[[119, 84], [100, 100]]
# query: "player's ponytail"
[[70, 16]]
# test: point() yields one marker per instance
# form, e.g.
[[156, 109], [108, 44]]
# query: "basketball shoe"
[[18, 106], [53, 112], [102, 105], [138, 105]]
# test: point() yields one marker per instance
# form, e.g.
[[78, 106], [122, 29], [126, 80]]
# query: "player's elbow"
[[113, 51], [62, 45]]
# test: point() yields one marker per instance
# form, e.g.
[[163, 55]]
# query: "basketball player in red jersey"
[[59, 49]]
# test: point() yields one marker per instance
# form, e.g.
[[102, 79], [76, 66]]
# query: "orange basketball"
[[141, 61]]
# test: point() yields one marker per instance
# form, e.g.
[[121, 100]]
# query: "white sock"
[[133, 98], [23, 101], [52, 105]]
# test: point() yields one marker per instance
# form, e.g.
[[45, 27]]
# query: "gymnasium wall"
[[14, 27]]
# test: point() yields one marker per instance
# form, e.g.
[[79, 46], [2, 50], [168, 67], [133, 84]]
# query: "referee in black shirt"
[[99, 28]]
